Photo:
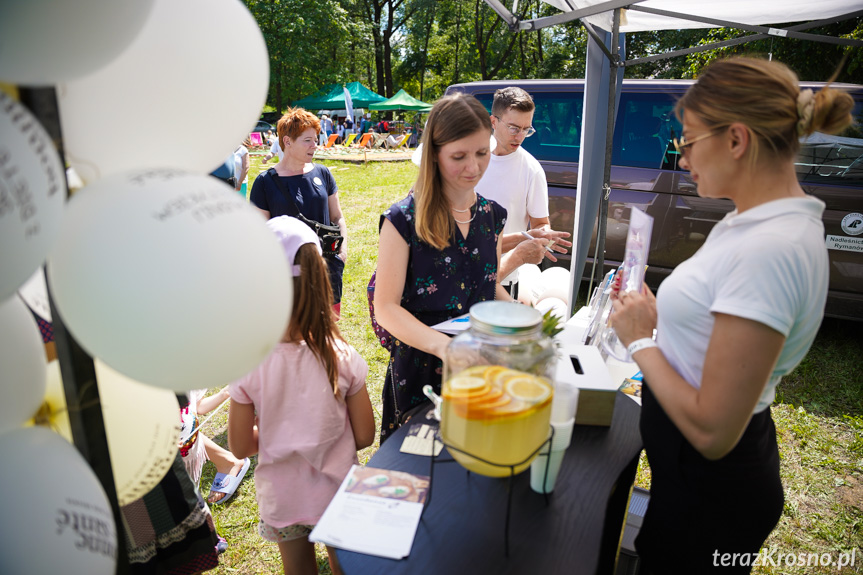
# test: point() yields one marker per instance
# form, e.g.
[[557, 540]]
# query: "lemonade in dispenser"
[[497, 389]]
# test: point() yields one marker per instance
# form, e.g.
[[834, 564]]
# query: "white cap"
[[293, 234]]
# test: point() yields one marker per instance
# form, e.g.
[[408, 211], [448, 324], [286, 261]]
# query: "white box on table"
[[583, 366]]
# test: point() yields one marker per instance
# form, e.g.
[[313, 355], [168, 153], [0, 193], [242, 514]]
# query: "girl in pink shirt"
[[305, 410]]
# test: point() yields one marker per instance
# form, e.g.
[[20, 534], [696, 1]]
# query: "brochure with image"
[[631, 386], [375, 511]]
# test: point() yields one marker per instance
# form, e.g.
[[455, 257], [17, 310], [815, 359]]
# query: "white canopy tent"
[[607, 22]]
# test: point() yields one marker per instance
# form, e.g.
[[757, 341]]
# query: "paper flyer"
[[375, 511], [454, 326], [631, 386]]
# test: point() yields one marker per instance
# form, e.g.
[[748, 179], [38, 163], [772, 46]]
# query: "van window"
[[557, 121], [826, 159], [646, 125]]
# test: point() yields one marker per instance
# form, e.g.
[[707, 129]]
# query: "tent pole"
[[77, 368], [597, 125], [598, 270]]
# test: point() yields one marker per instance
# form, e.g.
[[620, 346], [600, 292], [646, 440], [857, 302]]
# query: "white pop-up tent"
[[607, 22]]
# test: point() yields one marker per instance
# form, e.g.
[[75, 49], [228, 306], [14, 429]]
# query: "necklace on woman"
[[466, 221], [475, 200]]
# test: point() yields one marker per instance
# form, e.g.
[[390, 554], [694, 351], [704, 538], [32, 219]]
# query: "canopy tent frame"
[[517, 25], [745, 39], [601, 94]]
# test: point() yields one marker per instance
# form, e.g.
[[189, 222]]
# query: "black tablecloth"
[[462, 529]]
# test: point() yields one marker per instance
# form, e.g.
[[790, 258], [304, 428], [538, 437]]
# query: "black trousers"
[[702, 512], [335, 269]]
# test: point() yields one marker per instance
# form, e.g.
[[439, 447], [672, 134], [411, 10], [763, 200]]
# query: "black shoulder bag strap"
[[331, 236]]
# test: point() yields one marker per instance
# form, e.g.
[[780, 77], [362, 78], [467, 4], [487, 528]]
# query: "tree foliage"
[[304, 40], [424, 46]]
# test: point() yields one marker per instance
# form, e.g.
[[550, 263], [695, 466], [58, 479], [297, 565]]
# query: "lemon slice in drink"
[[466, 383], [503, 376], [528, 388]]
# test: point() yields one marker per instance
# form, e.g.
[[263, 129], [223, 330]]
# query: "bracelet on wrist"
[[640, 344]]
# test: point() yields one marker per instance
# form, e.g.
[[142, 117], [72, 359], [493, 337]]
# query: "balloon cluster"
[[547, 290], [160, 272]]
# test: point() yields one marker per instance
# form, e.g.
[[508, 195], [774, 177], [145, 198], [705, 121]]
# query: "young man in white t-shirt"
[[515, 180]]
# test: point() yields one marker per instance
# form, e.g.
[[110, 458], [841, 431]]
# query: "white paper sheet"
[[375, 511], [454, 326]]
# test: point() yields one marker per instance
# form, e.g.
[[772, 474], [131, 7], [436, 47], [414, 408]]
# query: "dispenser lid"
[[502, 317]]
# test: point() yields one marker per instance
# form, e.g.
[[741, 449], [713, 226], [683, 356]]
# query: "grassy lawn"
[[818, 409]]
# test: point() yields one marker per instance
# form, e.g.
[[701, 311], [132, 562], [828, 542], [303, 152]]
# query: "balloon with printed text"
[[170, 278], [56, 517], [32, 194]]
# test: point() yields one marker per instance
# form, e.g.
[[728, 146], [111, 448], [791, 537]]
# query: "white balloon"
[[142, 424], [170, 278], [32, 194], [56, 517], [43, 42], [174, 91], [554, 282], [528, 281], [23, 371], [555, 305]]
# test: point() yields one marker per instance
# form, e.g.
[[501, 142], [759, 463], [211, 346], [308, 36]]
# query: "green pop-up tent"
[[402, 101], [332, 97]]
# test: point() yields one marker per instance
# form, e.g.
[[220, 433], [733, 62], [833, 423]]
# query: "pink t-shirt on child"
[[305, 442]]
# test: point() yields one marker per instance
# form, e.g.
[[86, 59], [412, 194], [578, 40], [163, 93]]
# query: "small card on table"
[[420, 438]]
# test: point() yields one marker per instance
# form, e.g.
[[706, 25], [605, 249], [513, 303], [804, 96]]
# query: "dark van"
[[644, 174]]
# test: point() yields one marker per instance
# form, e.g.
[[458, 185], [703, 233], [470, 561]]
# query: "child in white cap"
[[305, 409]]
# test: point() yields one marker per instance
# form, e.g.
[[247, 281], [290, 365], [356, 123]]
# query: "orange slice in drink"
[[489, 405], [487, 372], [493, 371], [464, 387], [512, 407], [475, 371], [493, 394]]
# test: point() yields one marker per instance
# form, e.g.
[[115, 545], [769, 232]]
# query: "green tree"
[[387, 20], [304, 41], [815, 61], [413, 67]]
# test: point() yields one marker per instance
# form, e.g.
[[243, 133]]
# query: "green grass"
[[818, 410]]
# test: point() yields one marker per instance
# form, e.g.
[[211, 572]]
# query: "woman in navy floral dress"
[[439, 252]]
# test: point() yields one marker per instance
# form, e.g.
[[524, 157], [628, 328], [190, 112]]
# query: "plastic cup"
[[546, 466], [564, 403]]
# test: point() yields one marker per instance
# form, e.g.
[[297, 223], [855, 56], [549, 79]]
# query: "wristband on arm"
[[640, 344]]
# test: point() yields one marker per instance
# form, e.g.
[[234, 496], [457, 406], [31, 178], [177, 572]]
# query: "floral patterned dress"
[[440, 285]]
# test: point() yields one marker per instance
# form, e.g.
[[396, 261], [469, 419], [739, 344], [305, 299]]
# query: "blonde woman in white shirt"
[[731, 320]]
